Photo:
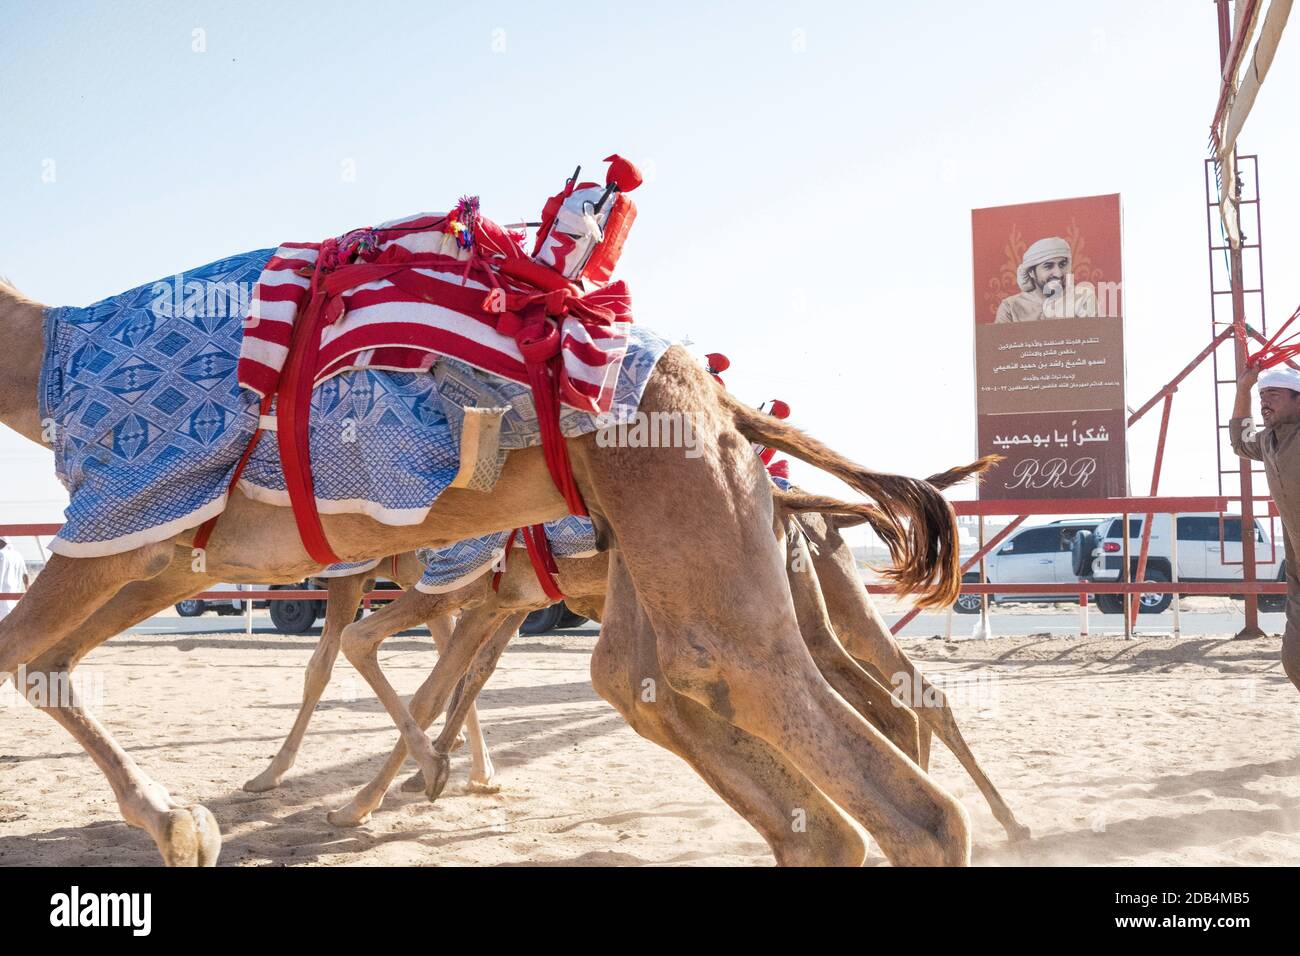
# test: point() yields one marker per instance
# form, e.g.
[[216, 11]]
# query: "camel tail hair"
[[921, 526]]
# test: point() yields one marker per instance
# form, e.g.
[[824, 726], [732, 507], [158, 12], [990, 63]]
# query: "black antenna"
[[611, 188]]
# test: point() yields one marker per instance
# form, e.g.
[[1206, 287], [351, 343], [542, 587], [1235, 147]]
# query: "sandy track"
[[1154, 752]]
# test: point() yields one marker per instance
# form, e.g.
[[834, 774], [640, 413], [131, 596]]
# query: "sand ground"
[[1153, 751]]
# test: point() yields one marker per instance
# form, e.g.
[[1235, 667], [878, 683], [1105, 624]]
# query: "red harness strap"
[[531, 320], [539, 553]]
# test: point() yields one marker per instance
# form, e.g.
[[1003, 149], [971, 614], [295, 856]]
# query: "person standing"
[[13, 576], [1277, 445]]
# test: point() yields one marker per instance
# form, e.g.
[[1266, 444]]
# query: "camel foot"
[[190, 837], [348, 816], [1018, 833], [436, 784], [414, 783], [483, 786], [268, 779], [459, 742]]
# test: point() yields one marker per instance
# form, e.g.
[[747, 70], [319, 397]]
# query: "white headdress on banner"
[[1041, 251]]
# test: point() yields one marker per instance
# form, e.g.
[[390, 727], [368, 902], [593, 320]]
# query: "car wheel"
[[572, 618], [191, 607], [539, 622], [1275, 602], [1155, 603], [293, 617], [1110, 603], [967, 604]]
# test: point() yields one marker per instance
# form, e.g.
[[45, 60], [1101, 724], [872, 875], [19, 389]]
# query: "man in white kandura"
[[13, 575]]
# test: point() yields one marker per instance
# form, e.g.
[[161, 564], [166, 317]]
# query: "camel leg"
[[344, 599], [801, 826], [427, 702], [361, 640], [924, 737], [874, 646], [862, 691], [464, 713], [461, 707], [729, 638], [186, 835], [66, 594]]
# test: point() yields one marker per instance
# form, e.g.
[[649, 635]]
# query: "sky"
[[811, 168]]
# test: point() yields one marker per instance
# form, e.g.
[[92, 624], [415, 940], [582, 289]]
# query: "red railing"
[[1146, 506]]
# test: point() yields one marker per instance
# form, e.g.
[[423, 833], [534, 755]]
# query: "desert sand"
[[1153, 751]]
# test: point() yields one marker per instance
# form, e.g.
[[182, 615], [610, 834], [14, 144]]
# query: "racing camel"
[[815, 537], [718, 614]]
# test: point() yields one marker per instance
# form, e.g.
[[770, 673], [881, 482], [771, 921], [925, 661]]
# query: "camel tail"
[[955, 476], [797, 501], [921, 526], [801, 502]]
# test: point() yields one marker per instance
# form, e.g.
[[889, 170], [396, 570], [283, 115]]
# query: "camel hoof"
[[414, 783], [191, 837], [483, 786], [459, 742], [1018, 833], [347, 817], [264, 781], [442, 770]]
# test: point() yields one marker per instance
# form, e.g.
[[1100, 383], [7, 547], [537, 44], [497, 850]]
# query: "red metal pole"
[[1230, 49], [1155, 486]]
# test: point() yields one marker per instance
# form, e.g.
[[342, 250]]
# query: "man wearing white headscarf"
[[1277, 445], [1047, 289], [13, 576]]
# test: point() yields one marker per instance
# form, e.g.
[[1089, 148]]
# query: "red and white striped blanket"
[[416, 288]]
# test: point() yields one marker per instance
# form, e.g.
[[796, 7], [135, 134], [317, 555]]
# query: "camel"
[[583, 580], [718, 615], [345, 594], [814, 532]]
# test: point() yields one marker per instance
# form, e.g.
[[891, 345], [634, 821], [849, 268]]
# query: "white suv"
[[1041, 554], [1209, 549]]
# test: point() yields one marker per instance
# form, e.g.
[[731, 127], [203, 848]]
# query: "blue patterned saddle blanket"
[[446, 569], [139, 395]]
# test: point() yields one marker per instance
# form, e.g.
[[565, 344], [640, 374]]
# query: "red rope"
[[543, 560], [539, 552], [1277, 350]]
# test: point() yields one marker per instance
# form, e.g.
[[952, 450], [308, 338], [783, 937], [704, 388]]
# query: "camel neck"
[[21, 349]]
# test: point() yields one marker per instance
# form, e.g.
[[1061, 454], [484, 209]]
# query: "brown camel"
[[723, 624], [345, 594], [583, 581]]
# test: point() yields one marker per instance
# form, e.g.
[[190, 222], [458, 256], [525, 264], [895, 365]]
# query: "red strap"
[[293, 412], [539, 553], [540, 346], [205, 530]]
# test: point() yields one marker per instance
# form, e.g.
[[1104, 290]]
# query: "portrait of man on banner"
[[1047, 286]]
